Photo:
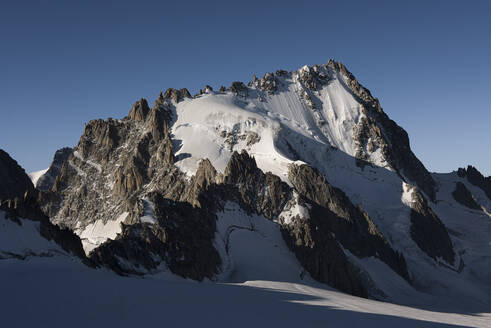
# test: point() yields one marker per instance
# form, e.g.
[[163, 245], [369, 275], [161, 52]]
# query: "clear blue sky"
[[63, 64]]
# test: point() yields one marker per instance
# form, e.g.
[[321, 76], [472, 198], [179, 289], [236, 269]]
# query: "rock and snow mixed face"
[[293, 122], [360, 200]]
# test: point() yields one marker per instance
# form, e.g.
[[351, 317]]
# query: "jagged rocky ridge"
[[13, 178], [46, 181], [427, 230], [462, 195], [476, 178], [130, 191]]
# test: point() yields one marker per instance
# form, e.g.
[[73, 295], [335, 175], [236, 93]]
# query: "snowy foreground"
[[61, 292]]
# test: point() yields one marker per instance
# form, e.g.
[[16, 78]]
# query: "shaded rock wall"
[[428, 231], [477, 179], [13, 179], [462, 195], [47, 180], [351, 226]]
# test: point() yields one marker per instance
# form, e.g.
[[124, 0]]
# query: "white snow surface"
[[96, 233], [58, 290], [252, 248], [23, 239], [216, 124], [34, 176], [54, 288]]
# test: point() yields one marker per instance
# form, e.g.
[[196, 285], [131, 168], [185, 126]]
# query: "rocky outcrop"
[[47, 180], [239, 89], [101, 137], [267, 83], [201, 182], [176, 95], [261, 193], [139, 111], [477, 179], [462, 195], [314, 77], [112, 162], [14, 181], [428, 231], [351, 226]]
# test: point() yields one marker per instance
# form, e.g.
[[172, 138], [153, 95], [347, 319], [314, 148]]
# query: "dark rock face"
[[27, 208], [377, 130], [14, 181], [112, 162], [46, 181], [352, 226], [100, 138], [477, 179], [139, 111], [205, 177], [20, 200], [462, 195], [181, 238], [261, 193], [428, 231], [319, 253]]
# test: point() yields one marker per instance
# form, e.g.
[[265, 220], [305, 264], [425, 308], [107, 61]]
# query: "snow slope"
[[215, 124], [49, 287], [34, 176], [252, 248], [98, 232], [23, 240], [60, 291]]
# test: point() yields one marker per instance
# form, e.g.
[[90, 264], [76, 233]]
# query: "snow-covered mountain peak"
[[314, 114], [306, 155]]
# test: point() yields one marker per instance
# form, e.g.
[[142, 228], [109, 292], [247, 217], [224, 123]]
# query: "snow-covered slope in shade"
[[252, 248], [34, 176], [470, 229], [60, 290], [22, 239]]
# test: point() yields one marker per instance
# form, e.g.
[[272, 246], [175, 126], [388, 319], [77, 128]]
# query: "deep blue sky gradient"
[[63, 63]]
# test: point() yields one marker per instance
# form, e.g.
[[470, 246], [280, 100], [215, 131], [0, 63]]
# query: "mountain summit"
[[297, 176]]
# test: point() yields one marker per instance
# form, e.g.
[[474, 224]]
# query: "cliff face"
[[46, 181], [13, 178]]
